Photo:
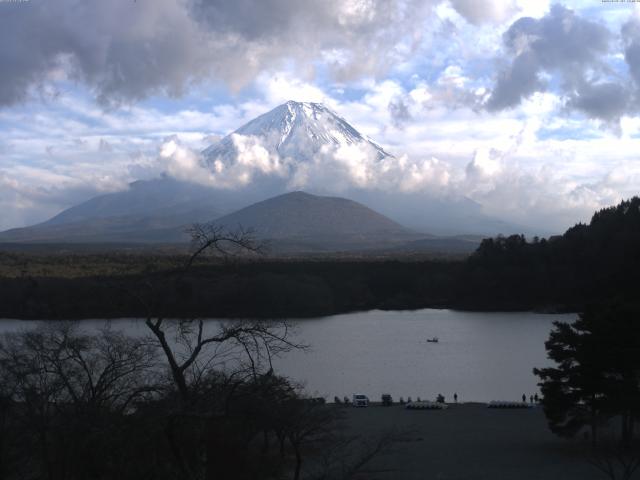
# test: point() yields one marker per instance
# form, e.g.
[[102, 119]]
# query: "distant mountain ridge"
[[148, 211], [141, 198]]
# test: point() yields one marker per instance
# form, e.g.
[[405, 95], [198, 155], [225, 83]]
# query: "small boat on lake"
[[432, 340]]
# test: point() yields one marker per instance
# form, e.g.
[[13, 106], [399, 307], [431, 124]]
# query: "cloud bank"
[[571, 55], [126, 51]]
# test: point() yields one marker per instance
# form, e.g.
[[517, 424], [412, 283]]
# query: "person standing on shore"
[[455, 397], [524, 398]]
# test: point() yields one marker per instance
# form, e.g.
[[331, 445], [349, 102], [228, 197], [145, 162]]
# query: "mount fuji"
[[297, 130], [266, 155]]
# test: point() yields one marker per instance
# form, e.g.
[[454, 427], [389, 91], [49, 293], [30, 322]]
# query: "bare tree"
[[250, 345], [67, 388], [184, 342], [194, 348], [616, 460], [305, 422], [211, 238], [108, 370]]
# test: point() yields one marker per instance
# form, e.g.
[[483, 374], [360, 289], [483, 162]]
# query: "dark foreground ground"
[[471, 441]]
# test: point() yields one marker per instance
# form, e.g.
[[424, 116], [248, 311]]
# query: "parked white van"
[[360, 400]]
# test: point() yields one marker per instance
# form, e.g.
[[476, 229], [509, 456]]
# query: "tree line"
[[599, 260]]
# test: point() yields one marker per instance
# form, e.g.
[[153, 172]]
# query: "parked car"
[[386, 400], [360, 400]]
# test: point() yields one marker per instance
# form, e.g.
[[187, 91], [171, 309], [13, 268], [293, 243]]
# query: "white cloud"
[[280, 87], [486, 11], [430, 175], [183, 163], [253, 156]]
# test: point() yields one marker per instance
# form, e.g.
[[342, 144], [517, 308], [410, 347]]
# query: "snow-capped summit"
[[297, 130]]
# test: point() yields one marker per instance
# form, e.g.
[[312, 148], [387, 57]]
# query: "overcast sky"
[[530, 108]]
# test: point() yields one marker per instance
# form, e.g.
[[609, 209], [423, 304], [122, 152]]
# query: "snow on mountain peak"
[[294, 130]]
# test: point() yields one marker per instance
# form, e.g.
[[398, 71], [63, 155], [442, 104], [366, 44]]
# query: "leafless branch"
[[225, 243], [616, 461]]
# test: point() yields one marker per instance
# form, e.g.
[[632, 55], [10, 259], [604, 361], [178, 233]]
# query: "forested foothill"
[[589, 262]]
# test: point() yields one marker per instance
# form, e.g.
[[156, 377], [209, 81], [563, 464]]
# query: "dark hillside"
[[600, 260]]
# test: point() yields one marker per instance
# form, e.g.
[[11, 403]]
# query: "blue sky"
[[530, 108]]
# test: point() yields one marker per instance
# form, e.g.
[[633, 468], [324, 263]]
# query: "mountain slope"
[[300, 214], [299, 221], [148, 211], [141, 198], [158, 228]]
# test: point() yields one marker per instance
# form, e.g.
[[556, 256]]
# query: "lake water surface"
[[481, 356]]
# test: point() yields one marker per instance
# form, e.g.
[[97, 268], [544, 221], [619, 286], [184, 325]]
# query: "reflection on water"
[[481, 356]]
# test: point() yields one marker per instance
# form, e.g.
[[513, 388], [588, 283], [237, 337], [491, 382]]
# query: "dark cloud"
[[519, 81], [23, 60], [257, 21], [561, 39], [126, 50], [631, 37], [359, 37], [399, 111], [560, 43], [606, 101], [573, 53]]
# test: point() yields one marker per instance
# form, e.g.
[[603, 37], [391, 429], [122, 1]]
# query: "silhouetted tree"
[[305, 422], [193, 349], [69, 392], [183, 342], [597, 374]]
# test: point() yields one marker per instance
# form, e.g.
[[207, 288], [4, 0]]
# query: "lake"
[[481, 356]]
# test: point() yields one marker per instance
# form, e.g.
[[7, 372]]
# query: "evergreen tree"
[[572, 392], [597, 375]]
